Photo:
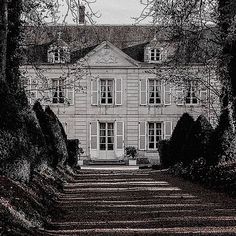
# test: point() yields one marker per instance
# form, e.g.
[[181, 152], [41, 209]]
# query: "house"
[[115, 86]]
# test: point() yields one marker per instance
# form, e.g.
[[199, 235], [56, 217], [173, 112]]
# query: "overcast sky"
[[117, 11]]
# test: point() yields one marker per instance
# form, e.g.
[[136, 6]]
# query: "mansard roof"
[[81, 39]]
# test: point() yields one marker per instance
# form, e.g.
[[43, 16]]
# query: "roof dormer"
[[59, 52], [155, 51]]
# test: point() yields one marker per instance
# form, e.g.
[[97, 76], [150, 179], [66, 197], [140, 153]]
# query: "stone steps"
[[219, 231], [105, 202]]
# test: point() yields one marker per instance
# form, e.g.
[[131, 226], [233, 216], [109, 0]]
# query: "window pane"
[[102, 125], [110, 147], [103, 140], [103, 147]]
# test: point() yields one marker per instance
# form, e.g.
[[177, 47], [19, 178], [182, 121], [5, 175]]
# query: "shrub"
[[220, 140], [60, 153], [163, 149], [73, 152], [46, 130], [131, 151], [197, 141], [179, 138]]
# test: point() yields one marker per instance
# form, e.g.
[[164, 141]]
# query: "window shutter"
[[118, 91], [147, 54], [93, 135], [70, 94], [143, 92], [167, 129], [203, 96], [94, 92], [119, 135], [142, 135], [167, 94], [180, 95]]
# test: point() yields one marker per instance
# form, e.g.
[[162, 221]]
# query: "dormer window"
[[155, 55], [58, 55]]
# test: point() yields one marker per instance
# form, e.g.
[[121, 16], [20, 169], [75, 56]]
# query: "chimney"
[[81, 14]]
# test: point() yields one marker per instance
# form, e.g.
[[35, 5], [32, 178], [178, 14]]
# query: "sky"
[[117, 11]]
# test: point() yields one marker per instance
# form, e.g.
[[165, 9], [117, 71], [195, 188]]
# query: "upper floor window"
[[154, 91], [106, 92], [155, 55], [58, 91], [191, 95]]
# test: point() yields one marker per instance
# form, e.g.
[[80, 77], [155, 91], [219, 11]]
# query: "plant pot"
[[132, 162], [80, 163]]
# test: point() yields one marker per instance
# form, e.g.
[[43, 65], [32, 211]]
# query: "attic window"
[[58, 55], [155, 55]]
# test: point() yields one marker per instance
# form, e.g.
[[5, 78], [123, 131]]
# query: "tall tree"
[[3, 37]]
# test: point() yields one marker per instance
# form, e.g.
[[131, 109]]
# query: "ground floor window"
[[154, 134], [107, 136]]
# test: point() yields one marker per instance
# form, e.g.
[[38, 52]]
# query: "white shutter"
[[167, 129], [70, 94], [203, 96], [143, 92], [119, 135], [142, 135], [94, 91], [167, 94], [94, 135], [147, 54], [118, 91]]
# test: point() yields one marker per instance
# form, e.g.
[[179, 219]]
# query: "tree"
[[220, 140], [210, 23], [197, 142], [179, 138]]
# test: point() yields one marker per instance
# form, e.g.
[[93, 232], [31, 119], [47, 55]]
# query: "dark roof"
[[131, 39]]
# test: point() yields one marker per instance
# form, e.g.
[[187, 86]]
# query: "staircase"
[[108, 202], [107, 162]]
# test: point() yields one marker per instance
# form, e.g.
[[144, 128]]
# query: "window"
[[154, 91], [155, 54], [106, 136], [106, 92], [58, 54], [58, 91], [154, 134], [191, 93]]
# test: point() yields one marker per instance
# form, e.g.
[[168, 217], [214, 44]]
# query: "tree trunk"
[[227, 62], [3, 37], [13, 53]]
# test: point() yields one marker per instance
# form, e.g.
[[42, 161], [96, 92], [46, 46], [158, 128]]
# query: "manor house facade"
[[112, 87]]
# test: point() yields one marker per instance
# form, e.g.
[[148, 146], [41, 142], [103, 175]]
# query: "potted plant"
[[131, 152]]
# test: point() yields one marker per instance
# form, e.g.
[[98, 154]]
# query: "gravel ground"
[[140, 202]]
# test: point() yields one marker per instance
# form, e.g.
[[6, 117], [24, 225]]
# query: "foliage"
[[163, 149], [60, 154], [179, 138], [220, 177], [197, 142], [131, 152], [220, 140], [74, 152]]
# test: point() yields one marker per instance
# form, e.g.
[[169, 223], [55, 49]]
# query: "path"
[[140, 202]]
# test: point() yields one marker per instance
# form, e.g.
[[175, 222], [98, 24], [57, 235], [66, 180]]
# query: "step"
[[187, 221], [109, 166], [219, 231]]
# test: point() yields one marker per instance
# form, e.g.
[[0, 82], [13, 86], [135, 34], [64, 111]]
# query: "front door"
[[106, 140]]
